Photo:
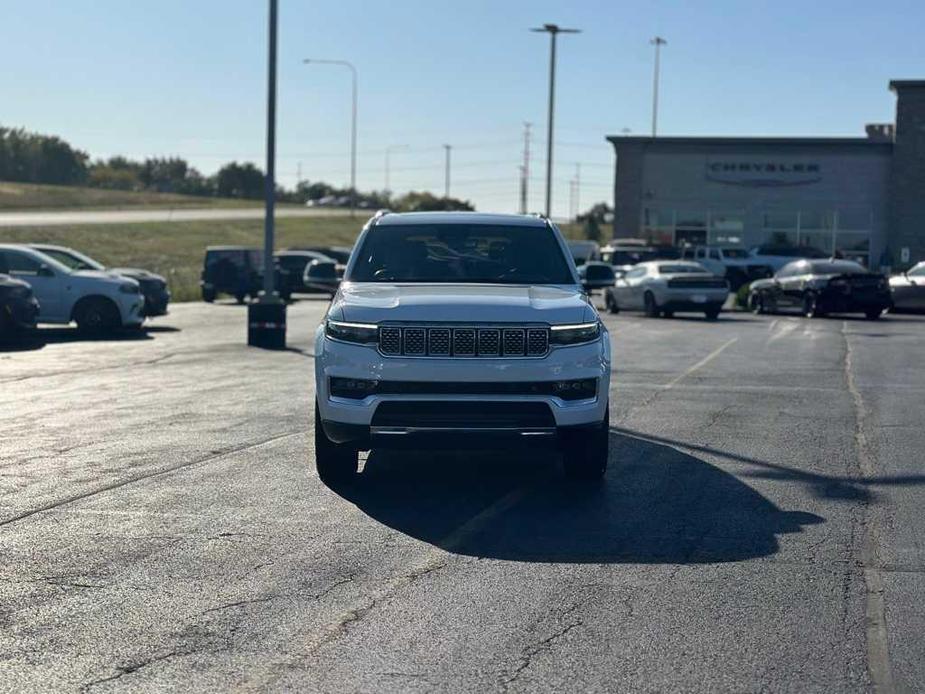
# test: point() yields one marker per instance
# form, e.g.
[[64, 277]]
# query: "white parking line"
[[700, 364]]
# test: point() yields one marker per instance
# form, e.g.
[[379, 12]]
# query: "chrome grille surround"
[[464, 341]]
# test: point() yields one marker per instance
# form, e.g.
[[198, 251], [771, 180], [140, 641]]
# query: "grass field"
[[175, 249], [31, 196]]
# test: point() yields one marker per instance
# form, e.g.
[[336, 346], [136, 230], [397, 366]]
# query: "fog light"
[[355, 388], [582, 389]]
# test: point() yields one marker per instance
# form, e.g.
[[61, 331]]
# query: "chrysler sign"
[[763, 173]]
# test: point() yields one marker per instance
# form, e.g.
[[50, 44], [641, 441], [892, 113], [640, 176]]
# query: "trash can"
[[266, 325]]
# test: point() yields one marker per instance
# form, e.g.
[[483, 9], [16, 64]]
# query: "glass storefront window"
[[691, 220], [820, 240], [858, 219], [652, 217], [785, 221], [662, 236], [816, 219], [782, 239], [727, 227]]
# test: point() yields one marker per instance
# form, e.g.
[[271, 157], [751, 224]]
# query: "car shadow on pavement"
[[656, 505], [39, 338], [822, 486]]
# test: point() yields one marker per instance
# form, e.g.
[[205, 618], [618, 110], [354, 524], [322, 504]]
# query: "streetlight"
[[553, 30], [388, 152], [658, 42], [353, 127]]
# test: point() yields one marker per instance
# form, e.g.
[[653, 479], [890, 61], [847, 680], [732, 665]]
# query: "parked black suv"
[[818, 287], [19, 308], [238, 271]]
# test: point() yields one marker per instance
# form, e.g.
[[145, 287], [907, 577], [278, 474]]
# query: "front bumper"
[[156, 302], [21, 315], [355, 417]]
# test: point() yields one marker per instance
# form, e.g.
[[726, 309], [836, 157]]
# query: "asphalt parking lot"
[[761, 525]]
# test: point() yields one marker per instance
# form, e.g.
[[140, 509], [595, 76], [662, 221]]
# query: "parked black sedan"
[[153, 287], [819, 287], [19, 308], [294, 263]]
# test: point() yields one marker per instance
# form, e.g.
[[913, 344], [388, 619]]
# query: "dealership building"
[[861, 197]]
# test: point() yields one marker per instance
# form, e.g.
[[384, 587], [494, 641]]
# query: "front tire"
[[873, 314], [97, 315], [336, 463], [757, 303], [585, 456], [651, 308], [712, 313], [811, 306], [611, 304]]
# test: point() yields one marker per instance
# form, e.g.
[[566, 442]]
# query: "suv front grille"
[[465, 341]]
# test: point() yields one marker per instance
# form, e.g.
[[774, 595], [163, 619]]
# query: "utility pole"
[[658, 42], [353, 127], [298, 175], [266, 318], [577, 189], [525, 169], [446, 183], [553, 30]]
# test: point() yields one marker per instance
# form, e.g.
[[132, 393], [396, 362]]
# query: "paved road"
[[62, 217], [161, 525]]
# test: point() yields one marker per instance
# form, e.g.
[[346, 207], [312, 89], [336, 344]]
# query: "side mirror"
[[45, 271]]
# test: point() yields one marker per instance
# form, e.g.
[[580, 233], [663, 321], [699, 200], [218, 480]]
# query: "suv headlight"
[[358, 333], [128, 288], [575, 334]]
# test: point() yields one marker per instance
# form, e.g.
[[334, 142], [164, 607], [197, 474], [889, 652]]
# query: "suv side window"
[[714, 254], [636, 273], [19, 264]]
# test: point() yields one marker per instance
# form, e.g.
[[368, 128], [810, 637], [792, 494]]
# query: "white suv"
[[455, 330], [96, 300]]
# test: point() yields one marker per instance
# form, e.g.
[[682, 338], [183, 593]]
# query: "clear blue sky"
[[162, 77]]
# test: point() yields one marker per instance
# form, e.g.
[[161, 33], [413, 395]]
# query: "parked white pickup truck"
[[461, 330], [732, 262]]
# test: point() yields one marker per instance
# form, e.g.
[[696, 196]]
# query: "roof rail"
[[381, 213]]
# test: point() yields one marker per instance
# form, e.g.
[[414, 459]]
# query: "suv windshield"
[[461, 253]]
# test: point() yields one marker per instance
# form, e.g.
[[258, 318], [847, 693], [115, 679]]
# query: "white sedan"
[[666, 287]]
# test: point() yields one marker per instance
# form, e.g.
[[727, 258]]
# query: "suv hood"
[[476, 303]]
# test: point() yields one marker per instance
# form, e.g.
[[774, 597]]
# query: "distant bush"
[[742, 296]]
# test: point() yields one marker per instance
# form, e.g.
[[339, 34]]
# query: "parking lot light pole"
[[553, 30], [658, 42], [266, 319], [353, 127]]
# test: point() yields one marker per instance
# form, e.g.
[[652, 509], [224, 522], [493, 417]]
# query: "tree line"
[[28, 157]]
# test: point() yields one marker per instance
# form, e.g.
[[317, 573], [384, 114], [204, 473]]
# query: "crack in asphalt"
[[866, 548], [145, 476], [129, 669], [542, 646]]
